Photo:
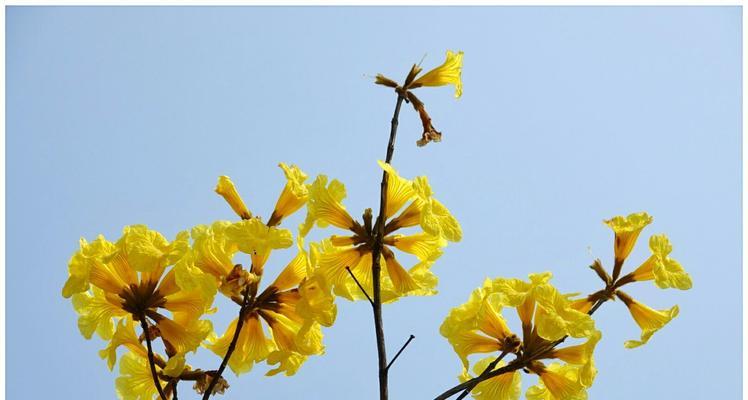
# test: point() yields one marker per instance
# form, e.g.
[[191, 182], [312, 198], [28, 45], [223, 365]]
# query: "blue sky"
[[117, 116]]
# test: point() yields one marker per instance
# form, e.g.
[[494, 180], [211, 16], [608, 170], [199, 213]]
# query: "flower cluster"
[[549, 318], [353, 252], [168, 288]]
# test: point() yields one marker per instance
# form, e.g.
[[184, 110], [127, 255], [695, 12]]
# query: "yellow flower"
[[227, 190], [501, 387], [627, 230], [582, 356], [415, 199], [665, 271], [293, 196], [557, 382], [129, 279], [135, 381], [546, 315], [448, 73], [649, 320], [293, 308], [258, 240]]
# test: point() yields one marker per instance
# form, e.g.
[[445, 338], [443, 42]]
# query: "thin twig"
[[360, 286], [151, 361], [174, 391], [400, 351], [488, 369], [376, 253], [511, 367], [239, 325]]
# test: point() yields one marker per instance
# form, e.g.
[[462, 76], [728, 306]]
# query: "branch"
[[359, 285], [400, 351], [513, 366], [239, 325], [376, 253], [151, 361], [488, 369]]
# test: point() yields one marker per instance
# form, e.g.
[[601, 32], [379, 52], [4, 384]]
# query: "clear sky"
[[118, 116]]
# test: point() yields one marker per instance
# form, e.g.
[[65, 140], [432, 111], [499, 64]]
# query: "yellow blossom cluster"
[[550, 318]]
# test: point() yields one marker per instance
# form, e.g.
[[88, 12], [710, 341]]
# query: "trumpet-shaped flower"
[[293, 196], [135, 381], [665, 271], [128, 280], [648, 319], [227, 190], [449, 73], [416, 206], [627, 230]]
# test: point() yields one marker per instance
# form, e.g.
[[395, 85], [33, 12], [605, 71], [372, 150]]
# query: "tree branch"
[[359, 285], [400, 351], [488, 369], [376, 254], [239, 325], [151, 362]]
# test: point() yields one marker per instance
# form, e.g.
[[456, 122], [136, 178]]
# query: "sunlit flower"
[[354, 251], [227, 190], [449, 73], [665, 271], [648, 319], [547, 316], [292, 308], [135, 381], [129, 280], [293, 196], [627, 230]]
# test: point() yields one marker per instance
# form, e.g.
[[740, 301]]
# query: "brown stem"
[[400, 351], [174, 389], [151, 362], [488, 369], [239, 325], [376, 254], [513, 366], [360, 286]]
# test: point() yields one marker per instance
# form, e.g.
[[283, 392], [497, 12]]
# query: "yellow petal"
[[293, 196], [449, 73], [648, 319], [435, 217], [555, 318], [212, 252], [399, 190], [184, 335], [227, 190], [402, 281], [124, 336], [626, 231], [316, 301], [581, 355], [96, 311], [324, 206], [81, 263], [135, 381], [423, 245], [258, 240], [288, 362], [558, 383], [501, 387]]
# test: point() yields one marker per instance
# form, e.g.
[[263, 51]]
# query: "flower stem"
[[151, 360], [239, 325], [488, 369], [376, 254]]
